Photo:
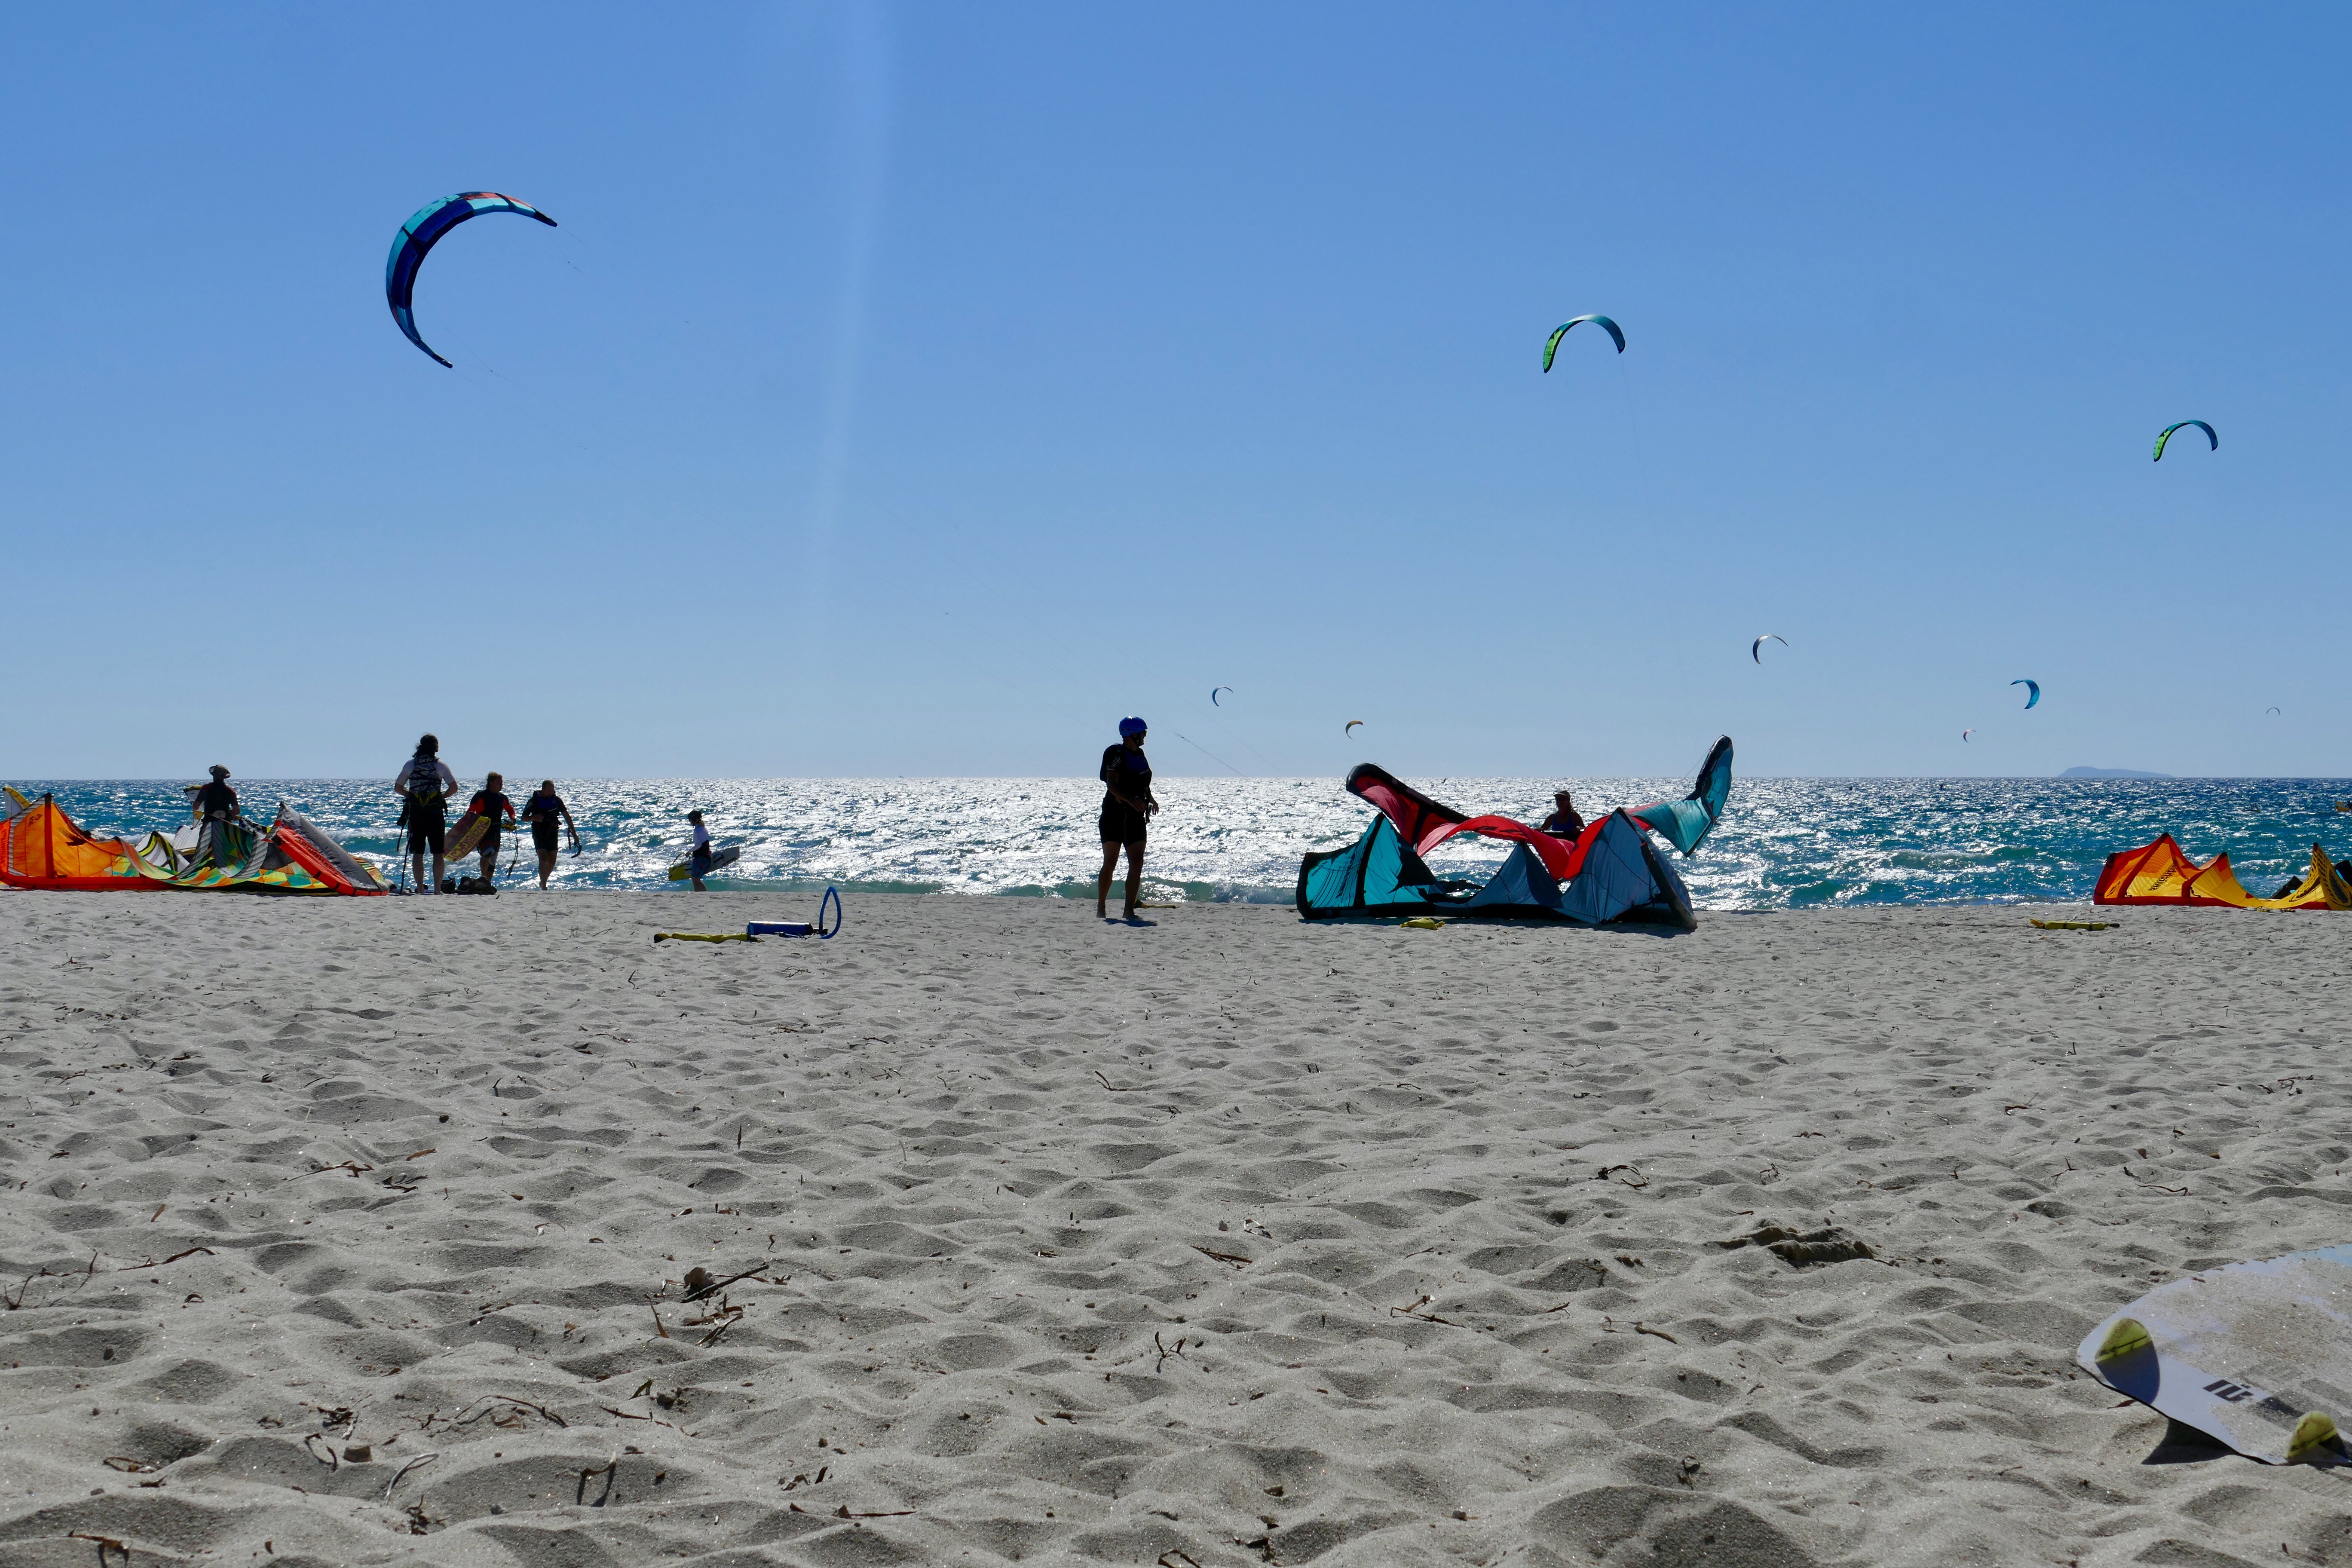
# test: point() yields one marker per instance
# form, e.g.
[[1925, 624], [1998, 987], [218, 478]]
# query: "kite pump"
[[795, 928]]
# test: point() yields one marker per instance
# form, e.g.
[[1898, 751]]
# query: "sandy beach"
[[371, 1231]]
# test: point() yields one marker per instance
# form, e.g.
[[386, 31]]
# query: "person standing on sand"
[[1128, 805], [543, 811], [698, 864], [423, 788], [491, 801], [214, 807]]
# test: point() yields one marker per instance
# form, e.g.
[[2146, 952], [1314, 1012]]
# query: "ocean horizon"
[[1783, 843]]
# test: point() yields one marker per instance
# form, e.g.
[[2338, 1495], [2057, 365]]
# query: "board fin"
[[2127, 1336], [2316, 1430]]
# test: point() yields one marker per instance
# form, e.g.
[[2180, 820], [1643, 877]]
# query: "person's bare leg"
[[1134, 876], [1102, 883], [546, 868], [416, 867], [440, 869]]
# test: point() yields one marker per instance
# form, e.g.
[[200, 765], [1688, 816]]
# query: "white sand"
[[983, 1154]]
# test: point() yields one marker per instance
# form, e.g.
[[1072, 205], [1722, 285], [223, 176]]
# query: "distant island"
[[2110, 773]]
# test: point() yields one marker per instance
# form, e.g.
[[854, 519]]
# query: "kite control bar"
[[796, 928]]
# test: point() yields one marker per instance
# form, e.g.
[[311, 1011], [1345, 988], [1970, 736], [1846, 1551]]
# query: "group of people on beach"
[[425, 784]]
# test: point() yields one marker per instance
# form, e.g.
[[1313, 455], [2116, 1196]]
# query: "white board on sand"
[[2258, 1354]]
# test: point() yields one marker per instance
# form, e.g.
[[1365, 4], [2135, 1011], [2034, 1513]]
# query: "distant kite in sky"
[[2033, 691], [1351, 728], [421, 232], [1560, 331], [1212, 695], [2270, 710], [2165, 434], [1966, 733], [1755, 648]]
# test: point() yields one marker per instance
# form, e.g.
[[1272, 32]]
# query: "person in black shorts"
[[1128, 805], [544, 811], [423, 788], [491, 802]]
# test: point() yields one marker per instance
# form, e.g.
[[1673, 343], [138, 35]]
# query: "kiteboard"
[[468, 834], [2258, 1356], [726, 857]]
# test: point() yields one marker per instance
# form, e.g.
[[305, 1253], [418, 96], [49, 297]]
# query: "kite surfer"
[[423, 786], [698, 864], [1128, 805], [543, 811], [1564, 822], [214, 807], [491, 802]]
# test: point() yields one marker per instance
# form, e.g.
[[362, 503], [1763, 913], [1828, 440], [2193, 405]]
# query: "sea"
[[1782, 844]]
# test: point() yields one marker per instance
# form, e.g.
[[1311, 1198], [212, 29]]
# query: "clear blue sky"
[[918, 389]]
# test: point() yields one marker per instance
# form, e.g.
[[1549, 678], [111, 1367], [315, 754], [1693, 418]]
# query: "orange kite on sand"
[[2159, 873]]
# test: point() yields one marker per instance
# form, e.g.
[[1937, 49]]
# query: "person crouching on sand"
[[543, 811], [491, 801], [423, 786], [1128, 804], [698, 864]]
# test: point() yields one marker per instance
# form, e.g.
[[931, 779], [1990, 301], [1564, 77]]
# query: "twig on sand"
[[627, 1416], [712, 1287], [1177, 1551], [1165, 1353], [1114, 1088], [420, 1460], [104, 1544], [843, 1513], [463, 1418], [658, 1324], [1235, 1259], [333, 1463], [2156, 1186], [191, 1252], [1415, 1311], [1609, 1170], [609, 1470]]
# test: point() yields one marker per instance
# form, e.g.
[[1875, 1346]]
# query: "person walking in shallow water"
[[698, 864], [1128, 805]]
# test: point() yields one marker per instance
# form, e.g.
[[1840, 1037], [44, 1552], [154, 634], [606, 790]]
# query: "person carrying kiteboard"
[[1128, 804], [491, 804], [544, 811], [423, 788], [698, 864]]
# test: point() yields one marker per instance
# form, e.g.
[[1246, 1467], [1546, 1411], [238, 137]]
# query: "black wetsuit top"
[[217, 798], [1122, 823]]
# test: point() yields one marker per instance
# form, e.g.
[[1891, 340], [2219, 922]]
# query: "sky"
[[919, 389]]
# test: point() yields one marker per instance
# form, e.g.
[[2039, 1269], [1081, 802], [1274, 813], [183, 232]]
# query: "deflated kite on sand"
[[1609, 874], [40, 847], [2159, 873]]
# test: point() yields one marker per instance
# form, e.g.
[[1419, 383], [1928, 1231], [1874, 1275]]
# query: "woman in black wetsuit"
[[1128, 804]]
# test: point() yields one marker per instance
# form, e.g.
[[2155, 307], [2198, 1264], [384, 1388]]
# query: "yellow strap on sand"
[[1425, 922], [701, 936]]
